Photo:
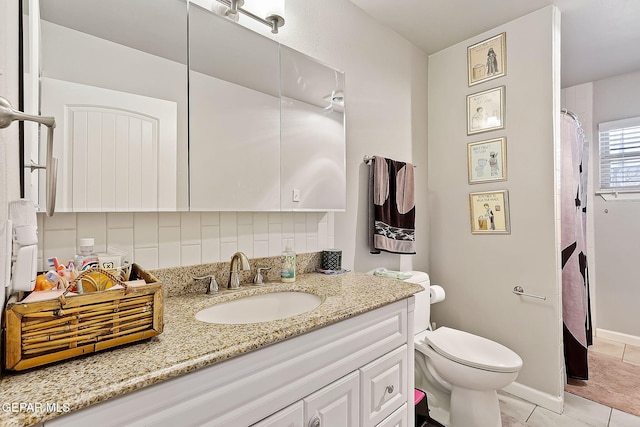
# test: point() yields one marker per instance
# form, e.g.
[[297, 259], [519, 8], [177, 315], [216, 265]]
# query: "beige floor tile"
[[509, 421], [632, 355], [622, 419], [514, 407], [588, 411], [612, 348], [544, 418]]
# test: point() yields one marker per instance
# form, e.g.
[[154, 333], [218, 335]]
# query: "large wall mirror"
[[245, 125], [117, 86], [234, 98], [312, 149]]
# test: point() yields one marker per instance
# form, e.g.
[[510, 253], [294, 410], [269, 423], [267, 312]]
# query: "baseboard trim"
[[547, 401], [618, 336]]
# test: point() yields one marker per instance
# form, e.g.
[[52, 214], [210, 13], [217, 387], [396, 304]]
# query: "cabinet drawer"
[[398, 419], [383, 385], [291, 416]]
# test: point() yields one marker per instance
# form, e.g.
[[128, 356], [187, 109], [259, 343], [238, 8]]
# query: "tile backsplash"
[[173, 239]]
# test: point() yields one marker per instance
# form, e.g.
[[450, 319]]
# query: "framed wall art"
[[490, 212], [487, 160], [487, 60], [485, 110]]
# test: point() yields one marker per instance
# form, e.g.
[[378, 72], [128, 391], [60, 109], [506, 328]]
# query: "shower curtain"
[[575, 279]]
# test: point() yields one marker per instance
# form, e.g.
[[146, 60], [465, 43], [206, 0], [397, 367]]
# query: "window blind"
[[620, 154]]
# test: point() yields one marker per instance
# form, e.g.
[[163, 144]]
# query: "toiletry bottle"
[[288, 264], [86, 258]]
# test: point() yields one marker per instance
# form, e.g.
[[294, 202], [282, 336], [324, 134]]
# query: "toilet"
[[460, 372]]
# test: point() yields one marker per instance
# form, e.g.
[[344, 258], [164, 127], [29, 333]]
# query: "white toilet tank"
[[422, 314]]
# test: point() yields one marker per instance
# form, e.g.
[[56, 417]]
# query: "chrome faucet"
[[234, 279]]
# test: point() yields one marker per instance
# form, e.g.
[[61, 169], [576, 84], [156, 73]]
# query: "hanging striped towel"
[[392, 209]]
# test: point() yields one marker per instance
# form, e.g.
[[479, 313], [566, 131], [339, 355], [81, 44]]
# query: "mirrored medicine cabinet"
[[181, 110]]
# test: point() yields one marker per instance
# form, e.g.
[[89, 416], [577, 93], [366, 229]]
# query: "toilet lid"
[[472, 350]]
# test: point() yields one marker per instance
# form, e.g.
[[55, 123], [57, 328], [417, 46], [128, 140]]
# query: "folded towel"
[[383, 272], [392, 206]]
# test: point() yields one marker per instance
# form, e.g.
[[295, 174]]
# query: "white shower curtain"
[[575, 279]]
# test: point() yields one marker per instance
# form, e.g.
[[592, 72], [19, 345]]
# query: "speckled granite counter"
[[186, 345]]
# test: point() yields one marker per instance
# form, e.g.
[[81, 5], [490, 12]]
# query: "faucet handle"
[[259, 279], [213, 287]]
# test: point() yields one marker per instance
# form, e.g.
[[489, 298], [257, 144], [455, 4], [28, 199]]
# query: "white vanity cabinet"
[[374, 395], [355, 372], [334, 405]]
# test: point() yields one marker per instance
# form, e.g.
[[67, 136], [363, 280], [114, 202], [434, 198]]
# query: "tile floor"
[[578, 412]]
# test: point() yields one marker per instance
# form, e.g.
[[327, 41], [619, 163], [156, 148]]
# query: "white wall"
[[617, 231], [9, 178], [479, 272], [386, 107]]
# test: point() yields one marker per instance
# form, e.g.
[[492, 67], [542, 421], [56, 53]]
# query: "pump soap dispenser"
[[288, 264]]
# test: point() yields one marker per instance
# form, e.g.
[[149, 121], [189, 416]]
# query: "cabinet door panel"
[[384, 386], [336, 404]]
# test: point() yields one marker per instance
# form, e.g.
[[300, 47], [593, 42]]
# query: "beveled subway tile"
[[145, 230], [147, 258]]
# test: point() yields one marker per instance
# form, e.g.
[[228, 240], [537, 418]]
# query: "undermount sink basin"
[[260, 308]]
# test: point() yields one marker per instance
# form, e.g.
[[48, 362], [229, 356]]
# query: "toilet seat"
[[471, 350]]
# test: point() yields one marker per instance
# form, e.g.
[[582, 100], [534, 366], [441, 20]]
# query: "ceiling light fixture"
[[273, 15]]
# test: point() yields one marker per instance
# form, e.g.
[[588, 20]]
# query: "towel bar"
[[519, 291], [367, 159]]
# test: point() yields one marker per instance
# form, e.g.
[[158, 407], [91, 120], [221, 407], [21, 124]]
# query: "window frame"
[[605, 183]]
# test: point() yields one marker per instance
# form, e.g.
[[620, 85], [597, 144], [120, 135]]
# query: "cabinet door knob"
[[390, 389], [314, 422]]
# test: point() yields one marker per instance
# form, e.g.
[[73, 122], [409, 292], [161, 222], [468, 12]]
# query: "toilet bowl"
[[460, 372]]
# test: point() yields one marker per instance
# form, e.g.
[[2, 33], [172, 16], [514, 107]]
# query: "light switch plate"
[[296, 195]]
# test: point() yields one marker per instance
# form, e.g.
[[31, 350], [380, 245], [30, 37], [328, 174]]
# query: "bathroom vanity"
[[348, 362]]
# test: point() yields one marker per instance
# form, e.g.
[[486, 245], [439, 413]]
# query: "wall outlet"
[[296, 195]]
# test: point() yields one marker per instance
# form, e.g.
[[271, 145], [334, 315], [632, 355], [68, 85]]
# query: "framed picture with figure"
[[490, 212], [487, 160], [487, 59], [485, 110]]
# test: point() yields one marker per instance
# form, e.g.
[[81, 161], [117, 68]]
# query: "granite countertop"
[[181, 349]]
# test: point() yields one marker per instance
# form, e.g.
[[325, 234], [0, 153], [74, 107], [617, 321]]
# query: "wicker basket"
[[37, 333]]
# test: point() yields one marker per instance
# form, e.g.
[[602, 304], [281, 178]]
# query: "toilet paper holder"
[[518, 290]]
